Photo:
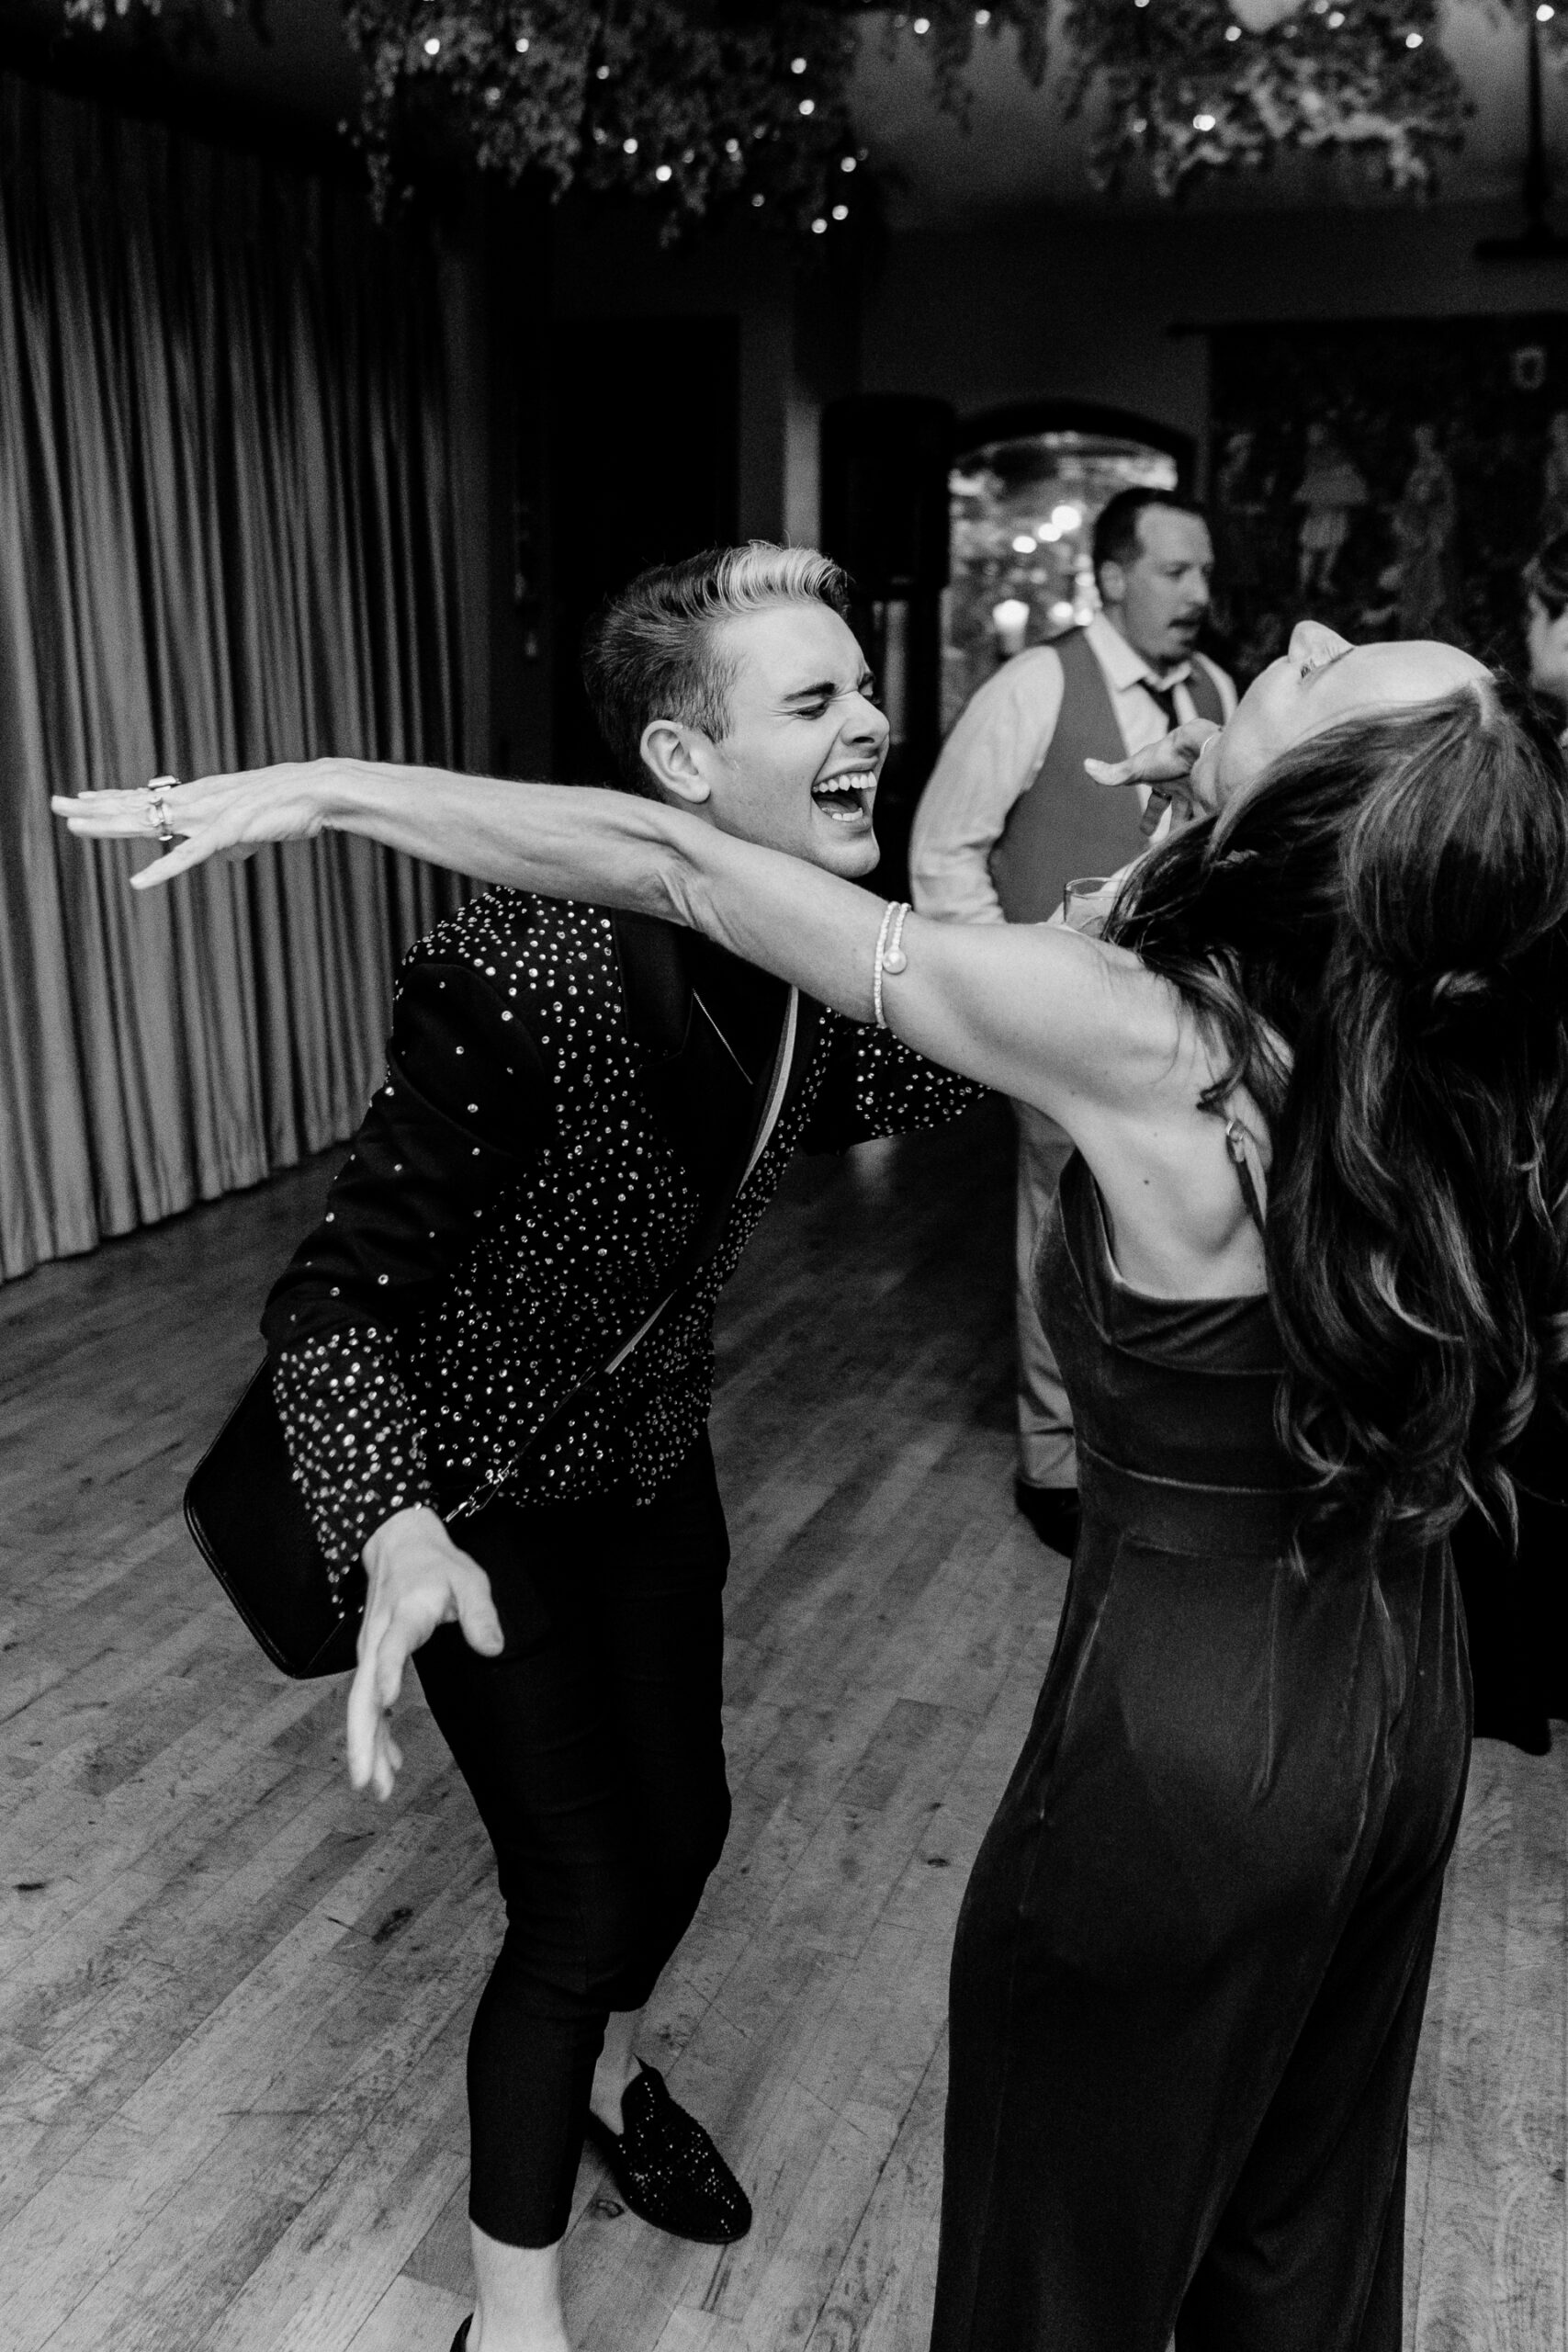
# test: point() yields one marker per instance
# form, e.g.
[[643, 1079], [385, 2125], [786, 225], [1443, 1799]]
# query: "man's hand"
[[419, 1579], [219, 815], [1175, 767]]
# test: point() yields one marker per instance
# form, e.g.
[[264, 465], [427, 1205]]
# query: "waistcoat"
[[1064, 825]]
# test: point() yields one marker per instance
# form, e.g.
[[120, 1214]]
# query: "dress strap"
[[1253, 1186]]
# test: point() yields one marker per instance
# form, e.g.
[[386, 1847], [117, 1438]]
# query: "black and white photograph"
[[784, 1176]]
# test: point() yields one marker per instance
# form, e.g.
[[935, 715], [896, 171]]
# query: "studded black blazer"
[[562, 1086]]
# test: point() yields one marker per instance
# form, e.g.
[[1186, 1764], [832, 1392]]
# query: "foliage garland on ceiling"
[[695, 106], [705, 106], [1195, 87]]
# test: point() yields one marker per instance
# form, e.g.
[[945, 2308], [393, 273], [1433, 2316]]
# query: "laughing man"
[[585, 1116]]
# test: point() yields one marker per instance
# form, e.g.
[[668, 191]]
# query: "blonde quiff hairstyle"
[[653, 651]]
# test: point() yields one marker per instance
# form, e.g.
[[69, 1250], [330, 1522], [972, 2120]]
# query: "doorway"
[[1026, 488]]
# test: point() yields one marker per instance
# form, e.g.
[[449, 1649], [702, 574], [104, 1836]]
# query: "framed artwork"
[[1390, 477]]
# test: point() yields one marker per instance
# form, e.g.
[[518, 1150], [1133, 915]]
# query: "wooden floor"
[[233, 1998]]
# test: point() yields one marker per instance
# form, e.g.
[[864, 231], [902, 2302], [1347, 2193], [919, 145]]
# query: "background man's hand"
[[1175, 766], [419, 1579], [219, 815]]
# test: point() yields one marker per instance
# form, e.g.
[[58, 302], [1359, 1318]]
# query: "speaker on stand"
[[886, 458]]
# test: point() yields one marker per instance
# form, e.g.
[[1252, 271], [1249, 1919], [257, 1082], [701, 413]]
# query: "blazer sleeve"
[[876, 1085], [459, 1121]]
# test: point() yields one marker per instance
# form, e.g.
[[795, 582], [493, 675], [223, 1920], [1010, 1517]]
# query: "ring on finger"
[[158, 793]]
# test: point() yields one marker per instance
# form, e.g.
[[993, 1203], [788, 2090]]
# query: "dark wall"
[[644, 468], [646, 401], [1083, 306]]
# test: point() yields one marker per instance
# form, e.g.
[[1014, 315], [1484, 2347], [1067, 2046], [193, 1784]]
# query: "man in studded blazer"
[[493, 1363]]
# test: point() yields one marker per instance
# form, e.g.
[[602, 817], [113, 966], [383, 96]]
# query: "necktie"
[[1160, 801]]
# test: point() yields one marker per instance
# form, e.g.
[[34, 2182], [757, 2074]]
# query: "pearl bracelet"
[[889, 956]]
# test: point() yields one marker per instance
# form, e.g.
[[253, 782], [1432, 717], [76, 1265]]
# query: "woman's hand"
[[419, 1579], [1176, 767], [219, 815]]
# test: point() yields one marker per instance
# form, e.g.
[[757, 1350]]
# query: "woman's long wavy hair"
[[1375, 938]]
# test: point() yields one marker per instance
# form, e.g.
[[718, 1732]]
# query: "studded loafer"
[[667, 2170]]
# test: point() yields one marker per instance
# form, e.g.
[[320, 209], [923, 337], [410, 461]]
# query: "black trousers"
[[594, 1750], [1191, 1961]]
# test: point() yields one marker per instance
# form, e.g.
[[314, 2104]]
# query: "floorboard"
[[233, 1996]]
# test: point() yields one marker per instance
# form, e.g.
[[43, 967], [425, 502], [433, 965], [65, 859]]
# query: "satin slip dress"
[[1191, 1959]]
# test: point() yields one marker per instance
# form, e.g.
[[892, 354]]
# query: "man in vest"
[[1009, 817]]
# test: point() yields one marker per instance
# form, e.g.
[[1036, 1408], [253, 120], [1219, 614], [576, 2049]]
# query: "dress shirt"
[[995, 753]]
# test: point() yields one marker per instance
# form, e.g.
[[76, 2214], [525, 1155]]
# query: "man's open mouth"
[[846, 797]]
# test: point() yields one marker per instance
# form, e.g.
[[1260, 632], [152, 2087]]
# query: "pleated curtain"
[[229, 514]]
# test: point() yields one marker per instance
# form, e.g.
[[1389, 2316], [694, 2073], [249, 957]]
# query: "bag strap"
[[705, 1240]]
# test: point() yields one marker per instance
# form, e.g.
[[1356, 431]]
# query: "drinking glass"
[[1086, 902]]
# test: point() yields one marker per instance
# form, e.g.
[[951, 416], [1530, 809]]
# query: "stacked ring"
[[158, 793]]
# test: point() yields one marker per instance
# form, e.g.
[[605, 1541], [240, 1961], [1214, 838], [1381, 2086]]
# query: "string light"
[[1545, 13], [1336, 18], [818, 228], [1202, 122], [1233, 32], [1412, 41], [796, 170]]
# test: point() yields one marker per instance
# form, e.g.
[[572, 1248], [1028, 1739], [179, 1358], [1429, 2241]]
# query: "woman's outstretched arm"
[[1033, 1010]]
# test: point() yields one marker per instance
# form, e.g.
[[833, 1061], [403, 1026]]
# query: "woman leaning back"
[[1305, 1282]]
